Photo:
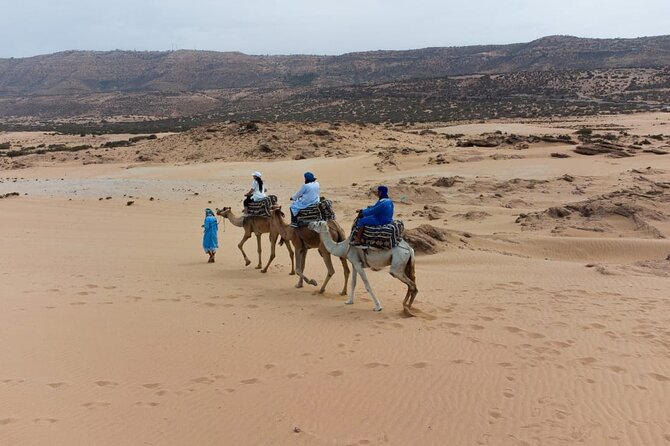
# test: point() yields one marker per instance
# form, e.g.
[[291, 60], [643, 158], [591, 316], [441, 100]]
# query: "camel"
[[303, 239], [257, 226], [400, 258]]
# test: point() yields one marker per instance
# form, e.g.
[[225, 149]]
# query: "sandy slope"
[[115, 330]]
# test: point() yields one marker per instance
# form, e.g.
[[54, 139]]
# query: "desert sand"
[[543, 313]]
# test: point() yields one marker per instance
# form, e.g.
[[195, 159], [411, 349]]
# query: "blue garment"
[[381, 213], [307, 195], [210, 240]]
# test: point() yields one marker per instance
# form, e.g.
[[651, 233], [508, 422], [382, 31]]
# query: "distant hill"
[[86, 72], [552, 76]]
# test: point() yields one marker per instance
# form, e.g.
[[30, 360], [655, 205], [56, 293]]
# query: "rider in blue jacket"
[[380, 213]]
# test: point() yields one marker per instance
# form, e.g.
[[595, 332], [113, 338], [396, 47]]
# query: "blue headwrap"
[[383, 191], [208, 211], [309, 177]]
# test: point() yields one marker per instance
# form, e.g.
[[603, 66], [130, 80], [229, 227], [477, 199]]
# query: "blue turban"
[[208, 211], [383, 191], [309, 176]]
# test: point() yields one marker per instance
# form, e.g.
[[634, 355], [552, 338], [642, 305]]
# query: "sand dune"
[[116, 331]]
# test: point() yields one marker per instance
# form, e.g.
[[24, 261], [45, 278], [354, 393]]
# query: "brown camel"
[[303, 239], [257, 226]]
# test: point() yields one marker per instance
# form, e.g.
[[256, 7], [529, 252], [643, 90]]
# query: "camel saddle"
[[382, 236], [323, 210], [261, 208]]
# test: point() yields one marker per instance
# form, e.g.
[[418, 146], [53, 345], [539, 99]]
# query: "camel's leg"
[[301, 260], [354, 275], [398, 270], [259, 250], [240, 246], [298, 266], [325, 255], [364, 277], [345, 269], [273, 242], [410, 272], [292, 256]]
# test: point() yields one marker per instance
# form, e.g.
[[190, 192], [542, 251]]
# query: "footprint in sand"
[[96, 404], [161, 392], [4, 421], [90, 285], [558, 344], [110, 287], [106, 383], [203, 380], [147, 404], [419, 365], [269, 366], [494, 415], [658, 377], [151, 385], [336, 373], [374, 365], [250, 381], [45, 420], [56, 385], [77, 303], [508, 393]]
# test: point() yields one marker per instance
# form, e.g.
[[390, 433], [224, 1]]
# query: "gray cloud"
[[317, 27]]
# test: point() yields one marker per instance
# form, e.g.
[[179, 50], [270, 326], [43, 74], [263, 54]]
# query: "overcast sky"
[[32, 27]]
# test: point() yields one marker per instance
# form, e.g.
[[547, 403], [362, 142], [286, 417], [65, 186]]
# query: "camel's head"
[[318, 226], [223, 212]]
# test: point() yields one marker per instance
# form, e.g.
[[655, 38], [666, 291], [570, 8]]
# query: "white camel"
[[400, 258]]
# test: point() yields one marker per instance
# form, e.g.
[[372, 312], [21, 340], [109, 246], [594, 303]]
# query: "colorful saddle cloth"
[[262, 207], [383, 236], [322, 210]]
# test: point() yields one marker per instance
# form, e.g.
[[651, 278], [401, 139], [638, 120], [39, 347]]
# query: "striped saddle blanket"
[[322, 210], [262, 207], [381, 237]]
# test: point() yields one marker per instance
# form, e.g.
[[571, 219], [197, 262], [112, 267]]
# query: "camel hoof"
[[298, 285], [247, 262], [264, 271], [349, 302], [258, 267], [292, 273], [378, 309], [322, 291], [407, 311], [312, 282], [343, 293]]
